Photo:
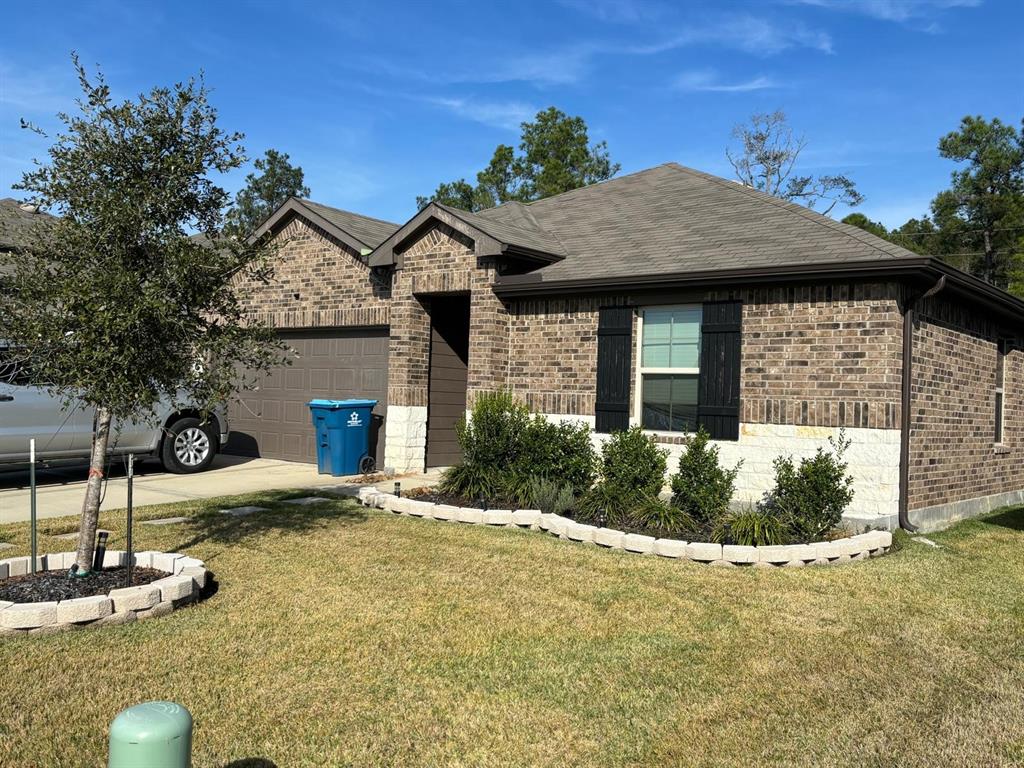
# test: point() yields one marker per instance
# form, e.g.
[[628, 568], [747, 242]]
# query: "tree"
[[767, 161], [263, 193], [555, 156], [983, 210], [976, 225], [116, 305]]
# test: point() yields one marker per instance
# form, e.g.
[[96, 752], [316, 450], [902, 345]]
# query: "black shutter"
[[718, 399], [614, 368]]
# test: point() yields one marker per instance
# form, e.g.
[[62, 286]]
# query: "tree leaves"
[[555, 156]]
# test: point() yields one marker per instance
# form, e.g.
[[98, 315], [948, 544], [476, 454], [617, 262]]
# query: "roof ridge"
[[307, 201], [855, 233]]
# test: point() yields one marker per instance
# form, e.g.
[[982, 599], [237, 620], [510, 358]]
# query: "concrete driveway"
[[60, 490]]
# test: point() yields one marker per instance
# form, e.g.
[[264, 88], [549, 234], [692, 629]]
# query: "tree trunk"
[[91, 505]]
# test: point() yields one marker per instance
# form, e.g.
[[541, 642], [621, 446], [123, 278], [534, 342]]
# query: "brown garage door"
[[273, 420]]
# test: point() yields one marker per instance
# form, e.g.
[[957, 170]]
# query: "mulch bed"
[[59, 585], [435, 497]]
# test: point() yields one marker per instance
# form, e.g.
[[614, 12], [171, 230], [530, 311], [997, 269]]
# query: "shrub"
[[550, 497], [606, 505], [493, 436], [661, 518], [751, 527], [516, 489], [810, 498], [562, 453], [470, 480], [702, 488], [633, 463]]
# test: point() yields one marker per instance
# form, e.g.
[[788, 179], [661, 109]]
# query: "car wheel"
[[188, 446]]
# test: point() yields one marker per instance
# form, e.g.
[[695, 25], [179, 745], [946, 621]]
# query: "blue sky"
[[379, 101]]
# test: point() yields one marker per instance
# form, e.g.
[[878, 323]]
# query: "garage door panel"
[[270, 410], [274, 421], [320, 379], [344, 380]]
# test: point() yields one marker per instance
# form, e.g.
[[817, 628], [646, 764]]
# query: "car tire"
[[188, 446]]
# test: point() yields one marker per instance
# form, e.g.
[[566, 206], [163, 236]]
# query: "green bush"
[[633, 463], [562, 453], [606, 505], [550, 497], [702, 488], [810, 498], [660, 518], [493, 436], [751, 528], [470, 480]]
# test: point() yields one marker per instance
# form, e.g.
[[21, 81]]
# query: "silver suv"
[[181, 439]]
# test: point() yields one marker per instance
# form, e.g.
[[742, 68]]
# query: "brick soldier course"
[[823, 310]]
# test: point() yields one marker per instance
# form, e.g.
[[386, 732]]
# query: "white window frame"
[[640, 370]]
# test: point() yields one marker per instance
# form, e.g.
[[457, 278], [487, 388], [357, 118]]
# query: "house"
[[666, 298]]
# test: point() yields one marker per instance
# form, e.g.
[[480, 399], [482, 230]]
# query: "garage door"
[[273, 421]]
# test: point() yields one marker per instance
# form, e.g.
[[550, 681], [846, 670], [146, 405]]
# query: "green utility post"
[[157, 734]]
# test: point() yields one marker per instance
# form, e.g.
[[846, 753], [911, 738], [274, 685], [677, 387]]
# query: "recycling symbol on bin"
[[354, 420]]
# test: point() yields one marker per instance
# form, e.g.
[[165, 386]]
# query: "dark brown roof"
[[18, 225], [373, 232], [670, 219]]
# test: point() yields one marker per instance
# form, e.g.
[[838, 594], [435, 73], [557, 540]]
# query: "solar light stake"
[[32, 496], [101, 551], [398, 490], [128, 542]]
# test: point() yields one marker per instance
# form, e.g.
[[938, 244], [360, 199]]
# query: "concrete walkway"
[[60, 489]]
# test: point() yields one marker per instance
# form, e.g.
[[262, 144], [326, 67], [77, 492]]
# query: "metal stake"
[[128, 543], [32, 495]]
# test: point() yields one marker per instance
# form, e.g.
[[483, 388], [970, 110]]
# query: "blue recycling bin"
[[343, 436]]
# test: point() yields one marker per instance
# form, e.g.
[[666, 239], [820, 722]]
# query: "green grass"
[[345, 637]]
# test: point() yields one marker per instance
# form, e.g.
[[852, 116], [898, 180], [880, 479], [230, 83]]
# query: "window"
[[1000, 381], [668, 368]]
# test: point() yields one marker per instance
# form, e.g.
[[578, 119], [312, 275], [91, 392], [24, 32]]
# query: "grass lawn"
[[341, 636]]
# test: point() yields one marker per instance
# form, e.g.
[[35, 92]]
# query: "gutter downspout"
[[906, 381]]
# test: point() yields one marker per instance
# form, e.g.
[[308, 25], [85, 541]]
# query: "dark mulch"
[[59, 585], [436, 497]]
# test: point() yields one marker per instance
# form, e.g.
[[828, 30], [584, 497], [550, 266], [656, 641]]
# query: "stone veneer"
[[185, 580]]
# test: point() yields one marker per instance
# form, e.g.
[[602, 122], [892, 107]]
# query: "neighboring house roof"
[[17, 224], [359, 232]]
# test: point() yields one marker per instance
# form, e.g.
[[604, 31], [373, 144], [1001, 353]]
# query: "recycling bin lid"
[[336, 404]]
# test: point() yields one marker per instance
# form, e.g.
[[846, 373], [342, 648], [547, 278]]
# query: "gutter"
[[906, 383]]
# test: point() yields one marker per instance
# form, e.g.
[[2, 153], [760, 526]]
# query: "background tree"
[[117, 306], [983, 210], [976, 225], [766, 160], [277, 181], [555, 156]]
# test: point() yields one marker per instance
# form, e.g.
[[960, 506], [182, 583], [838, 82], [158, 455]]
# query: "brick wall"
[[953, 456], [825, 356], [442, 261], [318, 282]]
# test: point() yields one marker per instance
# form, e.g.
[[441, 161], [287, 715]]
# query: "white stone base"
[[873, 458], [405, 438]]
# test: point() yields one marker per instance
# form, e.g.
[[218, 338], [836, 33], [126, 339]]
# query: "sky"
[[378, 101]]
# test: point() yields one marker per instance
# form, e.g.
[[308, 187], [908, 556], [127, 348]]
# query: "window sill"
[[1000, 448]]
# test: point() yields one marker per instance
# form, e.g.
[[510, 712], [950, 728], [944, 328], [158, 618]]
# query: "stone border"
[[859, 547], [186, 578]]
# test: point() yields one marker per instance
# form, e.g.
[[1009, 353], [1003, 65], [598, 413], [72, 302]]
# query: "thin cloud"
[[892, 10], [507, 115], [573, 63], [708, 81], [618, 11]]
